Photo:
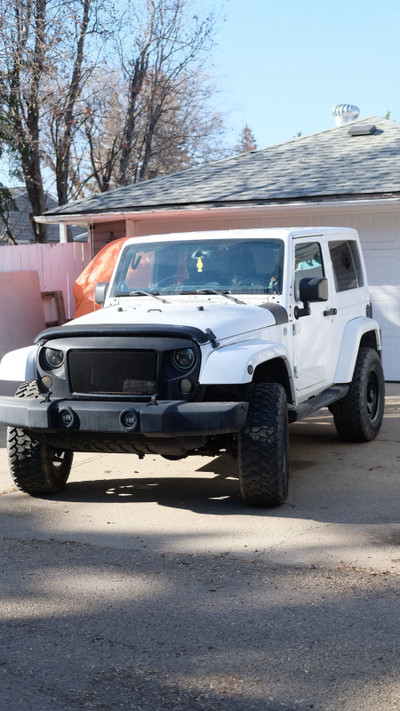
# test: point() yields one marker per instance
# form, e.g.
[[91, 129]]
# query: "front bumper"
[[160, 419]]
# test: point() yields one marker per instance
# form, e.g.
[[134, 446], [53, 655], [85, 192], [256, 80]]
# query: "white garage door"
[[383, 269]]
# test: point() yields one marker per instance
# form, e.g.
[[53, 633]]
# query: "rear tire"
[[358, 416], [263, 460], [36, 468]]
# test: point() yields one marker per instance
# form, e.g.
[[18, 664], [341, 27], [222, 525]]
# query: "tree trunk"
[[135, 87], [30, 151], [64, 148]]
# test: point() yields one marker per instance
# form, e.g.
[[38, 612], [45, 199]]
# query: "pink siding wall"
[[58, 266], [105, 232], [21, 315]]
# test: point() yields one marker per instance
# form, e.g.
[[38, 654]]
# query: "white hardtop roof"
[[283, 233]]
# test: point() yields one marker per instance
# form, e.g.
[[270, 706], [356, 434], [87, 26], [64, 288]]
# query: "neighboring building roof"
[[20, 220], [330, 165]]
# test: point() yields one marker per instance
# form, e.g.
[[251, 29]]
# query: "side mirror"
[[314, 289], [100, 292], [311, 289]]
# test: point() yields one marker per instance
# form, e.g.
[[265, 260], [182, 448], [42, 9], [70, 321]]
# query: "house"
[[20, 221], [348, 175]]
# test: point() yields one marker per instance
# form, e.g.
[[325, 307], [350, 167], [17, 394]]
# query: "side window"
[[308, 263], [346, 265]]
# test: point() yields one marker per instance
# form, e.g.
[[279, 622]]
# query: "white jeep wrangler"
[[207, 343]]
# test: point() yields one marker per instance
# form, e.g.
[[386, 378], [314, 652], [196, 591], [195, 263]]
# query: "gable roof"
[[20, 220], [330, 165]]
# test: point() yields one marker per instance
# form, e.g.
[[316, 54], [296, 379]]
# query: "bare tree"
[[40, 40], [155, 112], [23, 50], [176, 42], [99, 107], [186, 134], [64, 112], [64, 120], [7, 204]]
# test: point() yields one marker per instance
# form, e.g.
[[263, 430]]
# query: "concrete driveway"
[[148, 585]]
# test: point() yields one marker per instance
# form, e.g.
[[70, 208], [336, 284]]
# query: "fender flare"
[[19, 365], [236, 363], [353, 333]]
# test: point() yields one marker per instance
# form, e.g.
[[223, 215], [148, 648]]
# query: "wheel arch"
[[358, 333], [242, 362], [275, 371]]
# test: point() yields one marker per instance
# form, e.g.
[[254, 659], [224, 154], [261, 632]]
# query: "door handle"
[[330, 312]]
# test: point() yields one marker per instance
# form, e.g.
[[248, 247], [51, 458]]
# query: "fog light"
[[186, 386], [67, 417], [129, 419], [47, 382]]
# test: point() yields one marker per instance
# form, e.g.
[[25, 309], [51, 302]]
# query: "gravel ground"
[[148, 586], [84, 628]]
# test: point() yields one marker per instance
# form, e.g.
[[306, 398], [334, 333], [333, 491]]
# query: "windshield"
[[251, 266]]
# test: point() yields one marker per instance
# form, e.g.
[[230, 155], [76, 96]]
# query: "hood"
[[224, 318]]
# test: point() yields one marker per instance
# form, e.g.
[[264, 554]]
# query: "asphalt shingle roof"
[[326, 165]]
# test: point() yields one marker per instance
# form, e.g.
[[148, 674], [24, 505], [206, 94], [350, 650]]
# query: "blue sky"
[[281, 66]]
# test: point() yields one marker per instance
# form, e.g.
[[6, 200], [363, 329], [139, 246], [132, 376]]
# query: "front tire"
[[263, 460], [36, 468], [358, 416]]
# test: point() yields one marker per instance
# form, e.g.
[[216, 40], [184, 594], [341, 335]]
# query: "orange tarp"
[[99, 269]]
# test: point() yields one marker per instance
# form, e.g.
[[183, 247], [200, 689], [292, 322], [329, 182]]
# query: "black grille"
[[113, 372]]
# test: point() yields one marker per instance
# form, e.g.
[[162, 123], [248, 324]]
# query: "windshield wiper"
[[140, 292], [220, 292]]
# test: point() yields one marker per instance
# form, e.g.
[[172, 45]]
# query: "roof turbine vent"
[[344, 113]]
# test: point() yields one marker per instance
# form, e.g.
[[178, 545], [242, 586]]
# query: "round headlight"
[[184, 358], [53, 358]]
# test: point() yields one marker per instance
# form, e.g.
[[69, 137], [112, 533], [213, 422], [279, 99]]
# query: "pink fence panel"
[[58, 266]]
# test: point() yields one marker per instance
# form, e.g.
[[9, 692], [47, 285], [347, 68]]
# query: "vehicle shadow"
[[330, 480], [212, 487]]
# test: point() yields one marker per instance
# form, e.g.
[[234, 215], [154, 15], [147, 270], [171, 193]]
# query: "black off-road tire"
[[358, 416], [37, 468], [263, 460]]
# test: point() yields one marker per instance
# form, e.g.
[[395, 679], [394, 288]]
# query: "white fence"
[[58, 266]]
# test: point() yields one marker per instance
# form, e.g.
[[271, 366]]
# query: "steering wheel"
[[167, 281], [210, 284], [254, 283]]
